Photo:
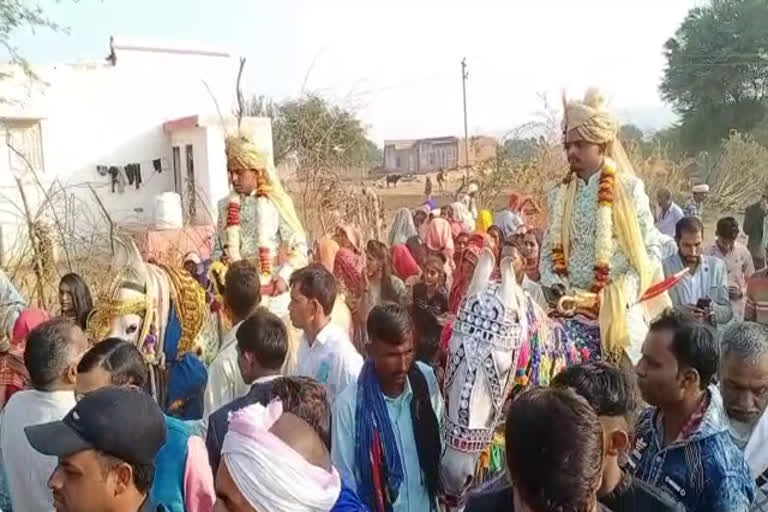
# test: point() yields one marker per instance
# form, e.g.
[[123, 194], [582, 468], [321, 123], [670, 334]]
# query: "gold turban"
[[243, 154], [590, 119]]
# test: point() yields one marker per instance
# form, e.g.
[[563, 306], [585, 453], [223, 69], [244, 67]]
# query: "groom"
[[601, 238]]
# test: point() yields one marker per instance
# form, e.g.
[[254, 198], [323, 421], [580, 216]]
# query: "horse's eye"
[[132, 329]]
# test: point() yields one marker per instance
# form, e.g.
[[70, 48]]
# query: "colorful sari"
[[13, 373], [484, 221], [403, 262]]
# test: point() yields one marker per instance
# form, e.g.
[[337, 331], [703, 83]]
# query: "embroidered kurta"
[[278, 234], [581, 258]]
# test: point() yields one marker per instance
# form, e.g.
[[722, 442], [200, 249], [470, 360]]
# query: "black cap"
[[122, 422]]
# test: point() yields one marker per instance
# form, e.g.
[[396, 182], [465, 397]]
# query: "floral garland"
[[604, 235], [233, 225], [232, 228]]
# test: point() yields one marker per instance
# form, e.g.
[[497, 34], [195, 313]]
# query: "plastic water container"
[[168, 211]]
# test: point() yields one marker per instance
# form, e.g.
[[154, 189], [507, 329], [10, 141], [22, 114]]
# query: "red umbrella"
[[662, 286]]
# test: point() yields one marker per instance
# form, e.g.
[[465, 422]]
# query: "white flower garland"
[[604, 230]]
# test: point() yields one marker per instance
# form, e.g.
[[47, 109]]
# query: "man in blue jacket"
[[682, 444]]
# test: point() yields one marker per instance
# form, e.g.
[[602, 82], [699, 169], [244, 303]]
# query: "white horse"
[[499, 331], [163, 311]]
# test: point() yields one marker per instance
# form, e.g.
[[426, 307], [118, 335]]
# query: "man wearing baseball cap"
[[106, 448]]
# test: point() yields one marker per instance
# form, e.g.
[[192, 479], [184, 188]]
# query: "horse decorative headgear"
[[486, 341]]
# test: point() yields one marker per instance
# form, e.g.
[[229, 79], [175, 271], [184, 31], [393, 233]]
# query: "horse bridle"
[[485, 326]]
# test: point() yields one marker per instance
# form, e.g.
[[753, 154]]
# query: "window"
[[25, 148], [397, 162], [191, 192]]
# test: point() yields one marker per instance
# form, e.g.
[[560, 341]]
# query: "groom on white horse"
[[601, 244]]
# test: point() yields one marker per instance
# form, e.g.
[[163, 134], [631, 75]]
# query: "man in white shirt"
[[325, 350], [669, 212], [53, 351], [242, 295]]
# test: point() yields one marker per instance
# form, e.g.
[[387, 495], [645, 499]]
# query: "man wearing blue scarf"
[[386, 437]]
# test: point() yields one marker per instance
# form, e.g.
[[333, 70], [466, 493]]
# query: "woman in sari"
[[530, 249], [325, 252], [382, 284], [463, 276], [403, 227], [440, 243], [460, 242], [13, 373], [463, 216], [348, 268], [404, 265], [418, 250], [447, 213], [75, 299], [348, 237]]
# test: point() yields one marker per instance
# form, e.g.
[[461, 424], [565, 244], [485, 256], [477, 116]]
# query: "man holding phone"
[[738, 262], [703, 291]]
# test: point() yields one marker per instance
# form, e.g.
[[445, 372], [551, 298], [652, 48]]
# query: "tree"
[[313, 130], [630, 134], [15, 15], [323, 140], [717, 70]]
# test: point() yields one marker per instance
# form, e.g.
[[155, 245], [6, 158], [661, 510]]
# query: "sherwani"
[[279, 236], [581, 257]]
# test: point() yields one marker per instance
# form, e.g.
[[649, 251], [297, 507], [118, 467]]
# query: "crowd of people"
[[655, 412]]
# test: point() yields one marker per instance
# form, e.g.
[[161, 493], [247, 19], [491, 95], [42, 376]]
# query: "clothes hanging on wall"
[[133, 173]]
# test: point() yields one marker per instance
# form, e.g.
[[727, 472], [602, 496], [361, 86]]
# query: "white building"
[[81, 124]]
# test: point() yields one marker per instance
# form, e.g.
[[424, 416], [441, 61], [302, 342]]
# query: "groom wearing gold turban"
[[601, 242], [257, 220]]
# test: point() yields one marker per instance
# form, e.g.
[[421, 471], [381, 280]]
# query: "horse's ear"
[[129, 257], [509, 287], [483, 271]]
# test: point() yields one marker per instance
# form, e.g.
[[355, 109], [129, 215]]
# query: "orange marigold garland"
[[604, 235]]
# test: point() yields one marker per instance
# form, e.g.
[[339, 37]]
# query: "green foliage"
[[717, 71], [315, 132], [630, 134]]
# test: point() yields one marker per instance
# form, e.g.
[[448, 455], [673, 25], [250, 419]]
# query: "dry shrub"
[[658, 169], [740, 173]]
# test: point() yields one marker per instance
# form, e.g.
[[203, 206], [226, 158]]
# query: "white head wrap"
[[270, 474], [701, 189]]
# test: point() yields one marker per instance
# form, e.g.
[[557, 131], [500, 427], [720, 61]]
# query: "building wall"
[[100, 114], [481, 148], [437, 155]]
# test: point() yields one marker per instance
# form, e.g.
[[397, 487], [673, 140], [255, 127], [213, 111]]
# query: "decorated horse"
[[164, 312], [502, 340]]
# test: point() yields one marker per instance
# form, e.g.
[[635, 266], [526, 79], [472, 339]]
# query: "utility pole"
[[464, 76]]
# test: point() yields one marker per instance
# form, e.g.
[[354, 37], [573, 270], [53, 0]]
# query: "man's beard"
[[691, 260], [740, 431]]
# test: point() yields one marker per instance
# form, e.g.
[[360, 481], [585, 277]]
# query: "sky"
[[397, 62]]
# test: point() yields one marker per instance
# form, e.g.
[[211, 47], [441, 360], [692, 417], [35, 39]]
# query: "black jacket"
[[638, 497], [218, 422]]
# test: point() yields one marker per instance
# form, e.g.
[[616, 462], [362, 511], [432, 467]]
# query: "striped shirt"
[[756, 307]]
